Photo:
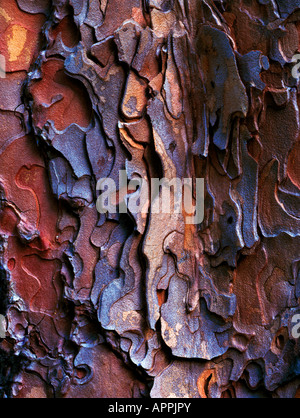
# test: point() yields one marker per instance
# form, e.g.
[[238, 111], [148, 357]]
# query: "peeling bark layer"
[[126, 305]]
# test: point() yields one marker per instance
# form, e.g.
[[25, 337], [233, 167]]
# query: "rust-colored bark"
[[125, 305]]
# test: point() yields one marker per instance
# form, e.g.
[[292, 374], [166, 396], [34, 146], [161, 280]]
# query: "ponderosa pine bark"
[[138, 305]]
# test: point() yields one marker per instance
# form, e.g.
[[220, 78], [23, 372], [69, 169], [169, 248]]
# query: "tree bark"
[[133, 305]]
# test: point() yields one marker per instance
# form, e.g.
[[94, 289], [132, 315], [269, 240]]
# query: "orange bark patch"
[[60, 98]]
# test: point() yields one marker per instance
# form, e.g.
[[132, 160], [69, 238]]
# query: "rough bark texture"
[[132, 306]]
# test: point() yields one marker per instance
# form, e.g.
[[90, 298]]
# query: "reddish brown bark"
[[130, 305]]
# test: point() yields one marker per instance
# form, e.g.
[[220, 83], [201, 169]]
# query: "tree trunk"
[[145, 300]]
